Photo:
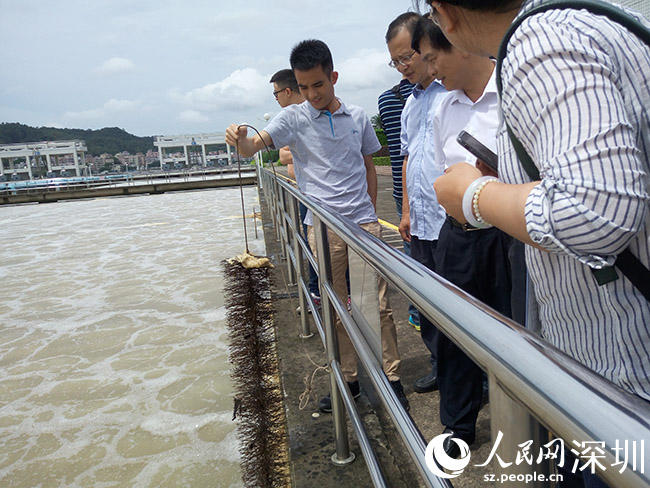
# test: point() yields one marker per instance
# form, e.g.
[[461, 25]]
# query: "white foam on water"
[[169, 423], [229, 448], [218, 315], [112, 329]]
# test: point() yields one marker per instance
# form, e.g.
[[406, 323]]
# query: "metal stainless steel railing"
[[26, 187], [532, 385]]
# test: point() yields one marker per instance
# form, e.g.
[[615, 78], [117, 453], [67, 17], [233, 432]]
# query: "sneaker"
[[325, 403], [315, 299], [413, 323], [401, 396]]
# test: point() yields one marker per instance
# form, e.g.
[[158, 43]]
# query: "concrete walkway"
[[305, 380]]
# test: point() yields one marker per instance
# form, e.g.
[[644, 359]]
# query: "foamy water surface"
[[113, 355]]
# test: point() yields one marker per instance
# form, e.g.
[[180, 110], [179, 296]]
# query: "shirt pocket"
[[350, 145]]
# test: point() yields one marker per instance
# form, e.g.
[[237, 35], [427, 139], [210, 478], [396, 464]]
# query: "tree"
[[381, 135], [272, 155], [106, 140], [376, 122]]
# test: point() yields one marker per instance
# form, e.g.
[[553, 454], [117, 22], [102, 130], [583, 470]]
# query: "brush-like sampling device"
[[259, 405]]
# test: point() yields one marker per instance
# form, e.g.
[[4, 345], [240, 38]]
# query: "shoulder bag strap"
[[626, 262], [398, 94]]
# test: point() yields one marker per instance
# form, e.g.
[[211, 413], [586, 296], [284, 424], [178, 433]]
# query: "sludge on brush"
[[259, 408]]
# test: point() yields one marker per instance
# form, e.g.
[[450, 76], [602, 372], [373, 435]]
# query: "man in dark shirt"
[[391, 103]]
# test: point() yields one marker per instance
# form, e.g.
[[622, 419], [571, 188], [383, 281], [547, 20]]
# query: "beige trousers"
[[339, 260]]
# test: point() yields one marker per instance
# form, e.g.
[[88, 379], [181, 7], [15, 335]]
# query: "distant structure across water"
[[192, 150], [33, 160]]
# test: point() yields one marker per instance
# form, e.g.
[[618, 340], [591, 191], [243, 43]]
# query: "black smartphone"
[[478, 149]]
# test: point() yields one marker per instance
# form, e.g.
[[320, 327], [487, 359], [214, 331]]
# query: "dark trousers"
[[413, 312], [422, 251], [579, 479], [476, 261]]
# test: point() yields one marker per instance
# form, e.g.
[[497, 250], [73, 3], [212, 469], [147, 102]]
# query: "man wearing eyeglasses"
[[422, 217], [286, 92], [391, 104]]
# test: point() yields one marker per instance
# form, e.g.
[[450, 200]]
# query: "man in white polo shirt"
[[332, 146]]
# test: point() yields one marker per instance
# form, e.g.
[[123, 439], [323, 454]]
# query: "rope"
[[305, 396], [308, 380], [241, 195], [241, 186]]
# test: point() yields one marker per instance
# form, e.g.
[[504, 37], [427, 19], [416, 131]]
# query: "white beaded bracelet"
[[470, 202]]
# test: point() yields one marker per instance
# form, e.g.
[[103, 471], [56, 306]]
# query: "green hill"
[[107, 140]]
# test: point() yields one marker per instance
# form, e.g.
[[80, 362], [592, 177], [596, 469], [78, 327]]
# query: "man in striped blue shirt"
[[576, 94], [391, 103]]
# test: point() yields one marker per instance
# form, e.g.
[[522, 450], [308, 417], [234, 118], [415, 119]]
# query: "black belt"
[[466, 227]]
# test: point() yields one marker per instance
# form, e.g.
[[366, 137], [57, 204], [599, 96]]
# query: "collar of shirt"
[[405, 83], [490, 90], [314, 113], [418, 90]]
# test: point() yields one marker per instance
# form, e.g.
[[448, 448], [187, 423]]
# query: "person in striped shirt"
[[576, 94], [390, 104]]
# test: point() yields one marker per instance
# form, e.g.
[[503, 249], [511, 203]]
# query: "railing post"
[[300, 265], [291, 274], [517, 426], [343, 455], [265, 187], [276, 214], [280, 223], [272, 200], [255, 219]]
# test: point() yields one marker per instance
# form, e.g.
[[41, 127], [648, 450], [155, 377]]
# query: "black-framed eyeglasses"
[[401, 61], [275, 93]]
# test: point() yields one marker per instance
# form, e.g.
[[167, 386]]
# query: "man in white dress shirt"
[[474, 259]]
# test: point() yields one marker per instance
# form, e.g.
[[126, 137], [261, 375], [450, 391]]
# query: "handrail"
[[25, 187], [407, 430], [572, 401], [373, 466]]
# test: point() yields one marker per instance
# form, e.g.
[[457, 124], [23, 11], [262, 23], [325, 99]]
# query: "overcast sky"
[[163, 67]]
